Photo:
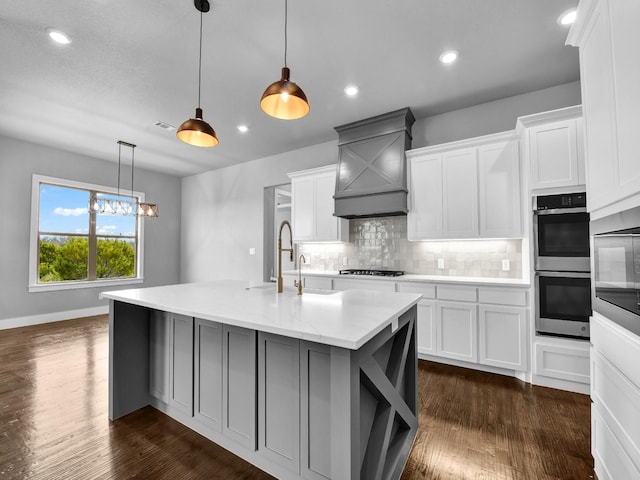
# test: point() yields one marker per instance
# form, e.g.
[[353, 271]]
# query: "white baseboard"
[[52, 317]]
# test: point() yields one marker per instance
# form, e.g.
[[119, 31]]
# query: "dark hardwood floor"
[[54, 425]]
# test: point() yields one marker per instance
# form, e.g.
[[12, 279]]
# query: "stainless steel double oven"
[[562, 264]]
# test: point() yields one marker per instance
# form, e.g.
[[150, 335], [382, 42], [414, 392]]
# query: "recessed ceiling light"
[[58, 36], [449, 56], [568, 17], [164, 126], [243, 128], [351, 90]]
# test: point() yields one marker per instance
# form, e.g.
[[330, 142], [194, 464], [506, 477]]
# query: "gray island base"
[[315, 386]]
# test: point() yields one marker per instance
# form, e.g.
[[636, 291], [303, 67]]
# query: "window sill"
[[49, 287]]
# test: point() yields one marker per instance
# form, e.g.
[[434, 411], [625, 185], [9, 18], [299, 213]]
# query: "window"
[[72, 247]]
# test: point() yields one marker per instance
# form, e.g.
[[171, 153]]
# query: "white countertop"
[[343, 319], [516, 282]]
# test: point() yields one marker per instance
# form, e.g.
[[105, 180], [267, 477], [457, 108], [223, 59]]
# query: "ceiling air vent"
[[164, 126]]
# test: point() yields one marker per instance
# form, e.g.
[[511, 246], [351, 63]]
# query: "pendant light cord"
[[200, 61], [119, 156], [132, 169], [285, 32]]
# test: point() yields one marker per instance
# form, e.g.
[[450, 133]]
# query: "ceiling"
[[134, 63]]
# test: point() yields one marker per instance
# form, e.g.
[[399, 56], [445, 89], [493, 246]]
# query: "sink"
[[310, 291], [318, 291], [266, 286]]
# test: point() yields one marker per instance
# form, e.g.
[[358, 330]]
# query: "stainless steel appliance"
[[562, 264], [372, 272], [616, 257], [563, 301], [561, 233]]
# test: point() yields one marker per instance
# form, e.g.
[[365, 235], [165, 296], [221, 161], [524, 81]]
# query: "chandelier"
[[121, 204]]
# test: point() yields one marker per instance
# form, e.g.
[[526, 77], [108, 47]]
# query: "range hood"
[[372, 169]]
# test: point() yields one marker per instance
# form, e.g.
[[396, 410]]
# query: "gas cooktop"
[[380, 273]]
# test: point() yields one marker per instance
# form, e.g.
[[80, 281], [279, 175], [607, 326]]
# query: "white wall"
[[222, 210], [222, 214], [18, 161]]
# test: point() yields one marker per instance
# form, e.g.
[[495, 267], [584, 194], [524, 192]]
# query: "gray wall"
[[18, 161], [492, 117], [222, 214], [222, 210]]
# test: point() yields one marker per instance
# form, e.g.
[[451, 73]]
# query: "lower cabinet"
[[427, 327], [239, 385], [171, 360], [479, 325], [457, 331], [503, 337], [181, 363], [279, 399], [208, 368]]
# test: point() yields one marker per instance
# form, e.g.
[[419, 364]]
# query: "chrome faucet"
[[298, 284], [280, 250]]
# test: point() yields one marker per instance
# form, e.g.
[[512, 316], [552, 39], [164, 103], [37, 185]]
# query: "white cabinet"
[[615, 393], [503, 337], [460, 193], [555, 153], [607, 34], [312, 207], [466, 189], [426, 319], [457, 331], [499, 190]]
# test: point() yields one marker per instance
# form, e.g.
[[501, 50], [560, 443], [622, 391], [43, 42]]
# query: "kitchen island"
[[317, 386]]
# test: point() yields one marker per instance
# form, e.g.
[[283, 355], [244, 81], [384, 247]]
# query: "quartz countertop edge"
[[342, 319], [416, 278]]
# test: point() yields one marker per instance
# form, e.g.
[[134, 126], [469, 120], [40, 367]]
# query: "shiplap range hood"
[[372, 169]]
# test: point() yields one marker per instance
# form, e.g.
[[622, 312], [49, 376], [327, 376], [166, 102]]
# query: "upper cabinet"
[[554, 148], [466, 189], [606, 31], [312, 206]]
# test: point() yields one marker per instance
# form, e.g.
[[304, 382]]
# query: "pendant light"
[[196, 131], [118, 205], [284, 99]]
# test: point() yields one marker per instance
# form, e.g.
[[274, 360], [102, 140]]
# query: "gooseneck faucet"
[[298, 284], [280, 250]]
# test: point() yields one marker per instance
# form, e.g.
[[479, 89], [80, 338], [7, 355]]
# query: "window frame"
[[34, 261]]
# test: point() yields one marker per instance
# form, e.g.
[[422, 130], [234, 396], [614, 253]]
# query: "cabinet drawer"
[[503, 296], [319, 283], [457, 293], [428, 290], [346, 284], [562, 362]]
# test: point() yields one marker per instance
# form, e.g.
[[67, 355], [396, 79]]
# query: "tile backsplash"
[[382, 243]]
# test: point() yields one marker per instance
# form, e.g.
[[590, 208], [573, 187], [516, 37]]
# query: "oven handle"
[[559, 211], [563, 274]]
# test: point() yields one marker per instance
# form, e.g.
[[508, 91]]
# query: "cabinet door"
[[279, 399], [457, 331], [424, 219], [427, 327], [208, 373], [302, 208], [460, 193], [596, 75], [326, 225], [503, 337], [625, 38], [159, 353], [239, 385], [499, 190], [553, 151], [181, 366]]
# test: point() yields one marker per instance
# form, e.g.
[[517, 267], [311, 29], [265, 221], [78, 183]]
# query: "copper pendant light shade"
[[196, 131], [284, 99]]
